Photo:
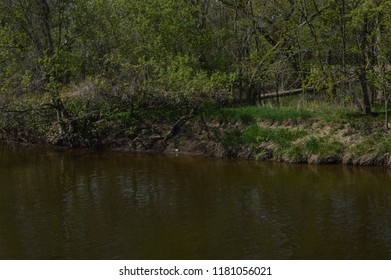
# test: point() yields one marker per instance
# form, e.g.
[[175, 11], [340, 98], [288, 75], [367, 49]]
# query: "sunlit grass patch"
[[247, 114], [316, 149], [280, 136]]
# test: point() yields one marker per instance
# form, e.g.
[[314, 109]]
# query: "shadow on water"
[[61, 204]]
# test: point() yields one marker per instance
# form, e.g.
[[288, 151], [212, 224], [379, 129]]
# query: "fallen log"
[[283, 93]]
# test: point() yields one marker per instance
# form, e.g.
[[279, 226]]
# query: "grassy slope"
[[331, 135]]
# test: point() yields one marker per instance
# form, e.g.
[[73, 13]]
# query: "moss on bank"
[[263, 133]]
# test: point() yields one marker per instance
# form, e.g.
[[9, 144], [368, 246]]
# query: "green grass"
[[376, 143], [248, 114], [330, 113], [323, 147], [316, 110], [254, 136], [333, 113], [292, 145], [281, 136]]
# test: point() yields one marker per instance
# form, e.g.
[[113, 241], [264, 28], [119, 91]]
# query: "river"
[[78, 204]]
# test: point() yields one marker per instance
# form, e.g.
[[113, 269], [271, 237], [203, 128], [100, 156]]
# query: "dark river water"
[[57, 204]]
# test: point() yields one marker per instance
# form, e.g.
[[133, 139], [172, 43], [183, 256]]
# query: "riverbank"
[[289, 134]]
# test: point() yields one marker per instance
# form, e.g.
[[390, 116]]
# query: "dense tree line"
[[197, 51]]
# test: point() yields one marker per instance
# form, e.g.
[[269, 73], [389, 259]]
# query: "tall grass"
[[280, 136], [376, 144], [250, 113], [324, 148]]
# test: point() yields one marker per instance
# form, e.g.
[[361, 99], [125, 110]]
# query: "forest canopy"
[[197, 51]]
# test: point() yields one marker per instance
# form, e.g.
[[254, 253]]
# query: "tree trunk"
[[45, 25], [363, 64], [365, 92]]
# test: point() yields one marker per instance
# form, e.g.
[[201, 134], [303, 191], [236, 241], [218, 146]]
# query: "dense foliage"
[[196, 51]]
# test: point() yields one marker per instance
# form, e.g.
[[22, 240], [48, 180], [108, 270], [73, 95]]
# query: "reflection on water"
[[88, 205]]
